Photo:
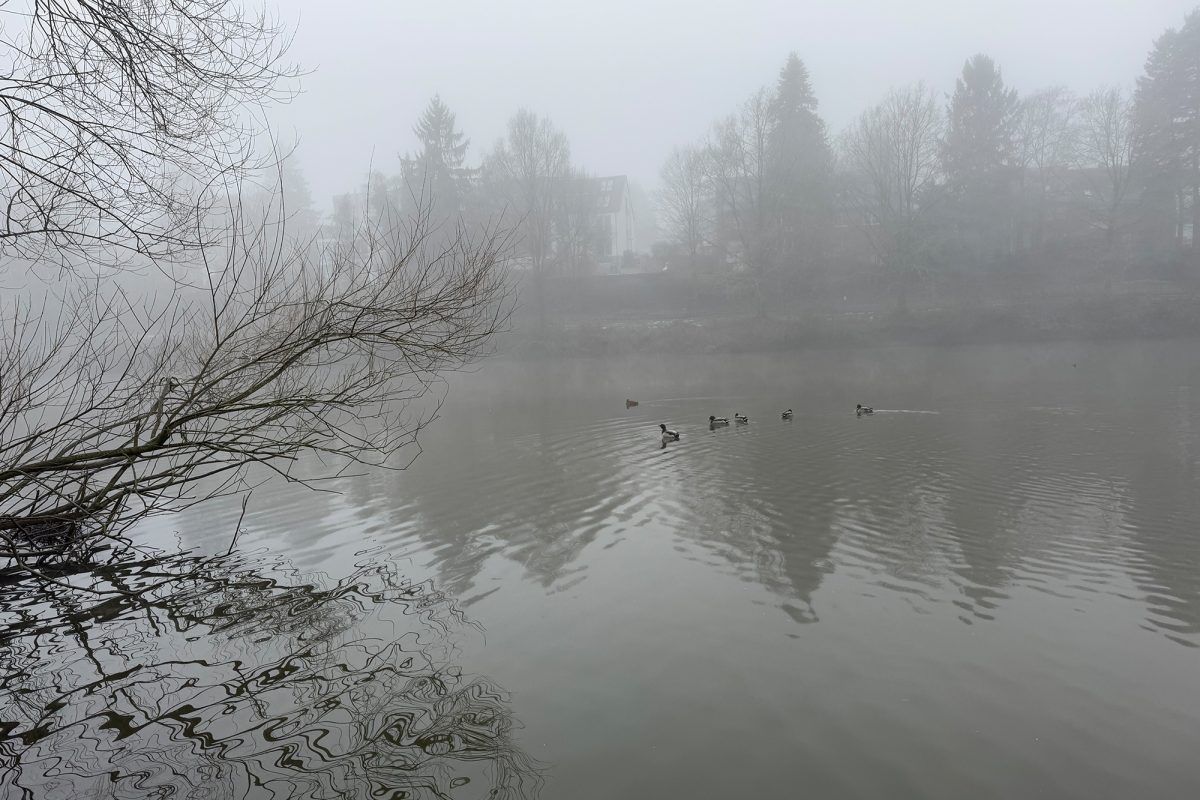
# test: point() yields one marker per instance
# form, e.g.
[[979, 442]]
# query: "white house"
[[614, 221]]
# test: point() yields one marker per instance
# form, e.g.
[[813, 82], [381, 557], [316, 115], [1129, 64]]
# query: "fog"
[[627, 80], [642, 400]]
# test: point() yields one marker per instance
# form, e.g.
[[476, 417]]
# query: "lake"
[[990, 588]]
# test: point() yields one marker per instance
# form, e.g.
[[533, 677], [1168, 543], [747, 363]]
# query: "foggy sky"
[[629, 79]]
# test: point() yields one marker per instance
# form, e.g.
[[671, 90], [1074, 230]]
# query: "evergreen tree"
[[436, 175], [1167, 115], [302, 218], [978, 159], [441, 141], [282, 201], [979, 139], [799, 160], [381, 200], [347, 215], [798, 138]]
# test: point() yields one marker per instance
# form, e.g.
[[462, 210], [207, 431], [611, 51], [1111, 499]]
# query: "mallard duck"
[[714, 422], [740, 419], [668, 435], [630, 403], [861, 409], [787, 414]]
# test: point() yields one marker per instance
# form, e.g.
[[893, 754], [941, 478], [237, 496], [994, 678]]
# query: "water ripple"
[[237, 677]]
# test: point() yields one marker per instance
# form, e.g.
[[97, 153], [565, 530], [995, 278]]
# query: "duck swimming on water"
[[787, 414], [714, 422], [630, 403], [861, 409], [668, 435], [740, 419]]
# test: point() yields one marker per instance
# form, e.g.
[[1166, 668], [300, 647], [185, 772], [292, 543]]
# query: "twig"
[[238, 528]]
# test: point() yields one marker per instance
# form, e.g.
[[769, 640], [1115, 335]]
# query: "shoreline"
[[1093, 319]]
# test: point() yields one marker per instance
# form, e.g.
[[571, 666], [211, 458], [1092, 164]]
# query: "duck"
[[740, 419], [630, 403], [787, 414], [668, 435], [861, 409], [714, 422]]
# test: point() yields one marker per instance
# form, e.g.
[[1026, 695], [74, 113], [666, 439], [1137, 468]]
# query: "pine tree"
[[297, 198], [979, 140], [797, 132], [282, 201], [441, 141], [1167, 114], [799, 166], [436, 173], [979, 160]]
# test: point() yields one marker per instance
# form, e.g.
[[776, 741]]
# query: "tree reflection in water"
[[231, 677]]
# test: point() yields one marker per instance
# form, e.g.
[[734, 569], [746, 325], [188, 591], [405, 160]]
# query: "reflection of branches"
[[220, 677]]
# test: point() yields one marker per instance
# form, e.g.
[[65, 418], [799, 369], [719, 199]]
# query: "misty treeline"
[[527, 178], [1027, 191], [165, 327], [925, 198]]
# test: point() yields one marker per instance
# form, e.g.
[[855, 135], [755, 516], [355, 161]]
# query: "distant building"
[[593, 225], [614, 221]]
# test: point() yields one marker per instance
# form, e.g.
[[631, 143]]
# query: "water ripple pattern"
[[988, 588], [239, 677]]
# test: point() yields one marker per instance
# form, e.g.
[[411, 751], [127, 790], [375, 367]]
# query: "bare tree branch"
[[114, 405], [118, 119]]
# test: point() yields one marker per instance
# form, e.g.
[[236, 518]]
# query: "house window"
[[605, 189]]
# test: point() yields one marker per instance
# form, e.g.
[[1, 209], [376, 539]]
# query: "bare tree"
[[575, 226], [526, 172], [114, 406], [892, 155], [768, 170], [1043, 142], [738, 160], [684, 198], [117, 117], [530, 166], [1108, 145]]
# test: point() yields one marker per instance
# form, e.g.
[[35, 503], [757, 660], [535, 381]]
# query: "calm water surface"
[[989, 589]]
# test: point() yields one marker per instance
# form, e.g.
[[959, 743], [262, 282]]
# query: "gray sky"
[[629, 79]]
